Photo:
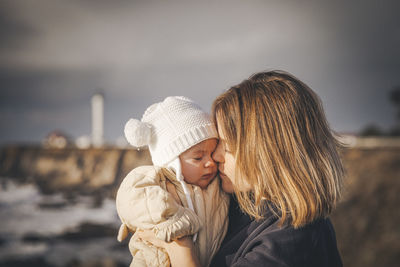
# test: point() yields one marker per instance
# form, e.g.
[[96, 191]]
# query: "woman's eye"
[[197, 158]]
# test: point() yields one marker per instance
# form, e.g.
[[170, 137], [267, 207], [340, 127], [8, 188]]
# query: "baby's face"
[[198, 167]]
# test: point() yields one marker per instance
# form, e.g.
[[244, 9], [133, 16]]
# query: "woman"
[[278, 156]]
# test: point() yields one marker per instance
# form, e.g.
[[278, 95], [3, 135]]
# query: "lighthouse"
[[97, 119]]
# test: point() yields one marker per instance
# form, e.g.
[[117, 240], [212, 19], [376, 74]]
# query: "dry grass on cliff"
[[367, 221]]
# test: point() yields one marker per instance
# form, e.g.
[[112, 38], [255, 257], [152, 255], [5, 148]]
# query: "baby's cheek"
[[215, 168]]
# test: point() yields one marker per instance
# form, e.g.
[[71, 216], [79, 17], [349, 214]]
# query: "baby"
[[180, 194]]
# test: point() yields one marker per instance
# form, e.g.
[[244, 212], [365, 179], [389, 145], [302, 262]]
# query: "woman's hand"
[[181, 251], [148, 236]]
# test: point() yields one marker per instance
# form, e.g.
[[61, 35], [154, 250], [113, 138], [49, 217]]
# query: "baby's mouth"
[[207, 176]]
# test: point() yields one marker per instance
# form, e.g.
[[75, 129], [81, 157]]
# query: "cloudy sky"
[[55, 54]]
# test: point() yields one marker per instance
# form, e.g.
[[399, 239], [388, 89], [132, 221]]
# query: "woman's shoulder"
[[283, 245], [271, 229]]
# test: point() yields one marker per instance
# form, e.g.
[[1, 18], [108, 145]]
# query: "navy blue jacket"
[[265, 243]]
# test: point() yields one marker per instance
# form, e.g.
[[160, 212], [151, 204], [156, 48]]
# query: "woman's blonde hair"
[[276, 128]]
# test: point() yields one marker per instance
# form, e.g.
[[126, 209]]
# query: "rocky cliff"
[[367, 221], [70, 169]]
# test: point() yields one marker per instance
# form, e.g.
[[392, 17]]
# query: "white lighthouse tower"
[[97, 120]]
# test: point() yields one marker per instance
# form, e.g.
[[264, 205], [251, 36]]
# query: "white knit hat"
[[169, 128]]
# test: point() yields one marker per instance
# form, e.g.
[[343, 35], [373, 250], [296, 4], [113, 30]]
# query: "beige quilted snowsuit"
[[143, 202]]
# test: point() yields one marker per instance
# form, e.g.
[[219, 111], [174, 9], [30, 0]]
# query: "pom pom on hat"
[[137, 133]]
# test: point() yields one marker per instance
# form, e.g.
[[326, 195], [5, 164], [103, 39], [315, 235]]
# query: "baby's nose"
[[210, 163]]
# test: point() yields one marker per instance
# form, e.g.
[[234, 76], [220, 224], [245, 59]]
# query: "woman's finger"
[[149, 236]]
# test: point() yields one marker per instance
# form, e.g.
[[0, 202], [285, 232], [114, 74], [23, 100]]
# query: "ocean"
[[57, 229]]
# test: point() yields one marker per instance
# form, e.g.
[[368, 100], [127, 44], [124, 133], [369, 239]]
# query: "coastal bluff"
[[70, 169], [367, 221]]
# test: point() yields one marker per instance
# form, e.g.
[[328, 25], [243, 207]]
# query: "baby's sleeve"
[[142, 203]]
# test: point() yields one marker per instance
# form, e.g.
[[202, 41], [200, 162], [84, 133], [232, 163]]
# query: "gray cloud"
[[57, 53], [14, 33]]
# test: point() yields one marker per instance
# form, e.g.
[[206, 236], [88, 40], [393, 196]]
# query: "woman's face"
[[226, 163]]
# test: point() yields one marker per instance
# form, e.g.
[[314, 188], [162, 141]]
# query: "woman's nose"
[[217, 155]]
